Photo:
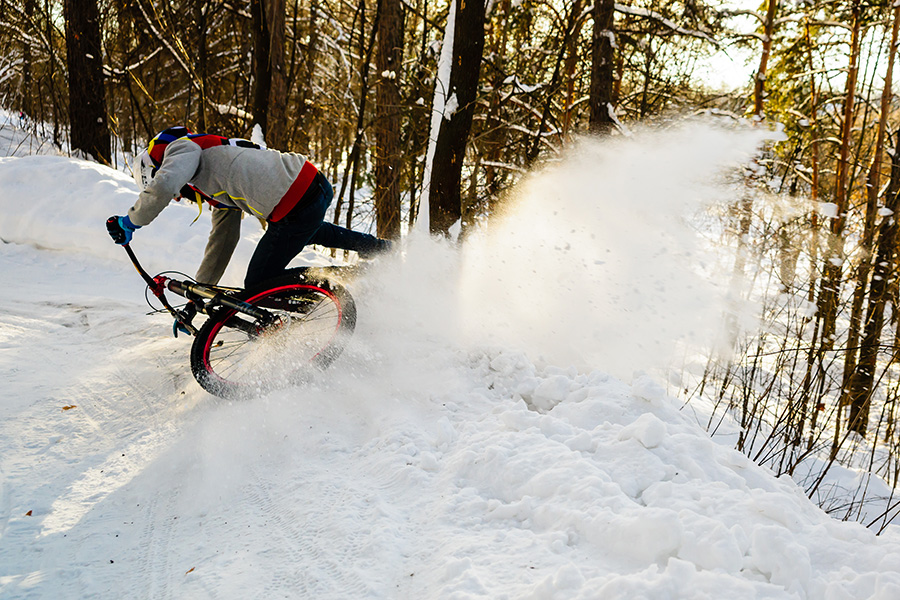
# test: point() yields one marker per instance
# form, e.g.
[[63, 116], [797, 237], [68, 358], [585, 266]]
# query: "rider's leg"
[[285, 239], [334, 236]]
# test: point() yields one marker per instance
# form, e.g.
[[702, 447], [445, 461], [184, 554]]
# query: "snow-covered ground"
[[482, 436]]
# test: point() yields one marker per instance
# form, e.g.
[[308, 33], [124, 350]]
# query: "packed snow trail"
[[421, 465]]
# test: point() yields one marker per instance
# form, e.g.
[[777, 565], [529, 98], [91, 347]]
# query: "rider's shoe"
[[380, 248]]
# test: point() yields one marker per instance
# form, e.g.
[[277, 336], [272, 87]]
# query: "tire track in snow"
[[117, 372], [114, 428], [155, 568], [322, 553]]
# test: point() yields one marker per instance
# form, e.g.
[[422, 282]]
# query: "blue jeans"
[[305, 225]]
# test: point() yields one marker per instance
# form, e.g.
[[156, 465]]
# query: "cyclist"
[[237, 176]]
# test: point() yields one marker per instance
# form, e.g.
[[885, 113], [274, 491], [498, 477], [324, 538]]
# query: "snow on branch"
[[124, 70], [23, 35], [827, 23], [753, 34], [237, 10], [503, 165], [227, 109], [650, 14], [518, 83], [737, 12], [611, 111], [533, 133]]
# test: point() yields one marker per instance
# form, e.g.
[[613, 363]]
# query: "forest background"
[[437, 109]]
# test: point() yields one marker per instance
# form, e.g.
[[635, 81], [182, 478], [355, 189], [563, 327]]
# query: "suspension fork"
[[157, 286]]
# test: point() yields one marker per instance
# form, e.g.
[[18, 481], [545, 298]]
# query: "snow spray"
[[596, 261]]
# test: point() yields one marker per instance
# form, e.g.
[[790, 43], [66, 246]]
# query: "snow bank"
[[428, 462], [61, 203], [614, 493]]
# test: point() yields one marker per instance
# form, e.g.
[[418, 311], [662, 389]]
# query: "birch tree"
[[452, 138]]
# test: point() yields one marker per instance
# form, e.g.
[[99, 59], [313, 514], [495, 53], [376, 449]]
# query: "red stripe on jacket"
[[295, 192], [208, 140]]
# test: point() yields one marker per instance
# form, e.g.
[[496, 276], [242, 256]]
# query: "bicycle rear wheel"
[[235, 355]]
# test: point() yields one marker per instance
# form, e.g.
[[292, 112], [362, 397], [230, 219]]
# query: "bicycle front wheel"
[[311, 319]]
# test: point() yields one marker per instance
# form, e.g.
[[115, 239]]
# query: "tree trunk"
[[200, 8], [814, 358], [356, 150], [602, 119], [831, 272], [571, 63], [570, 27], [862, 380], [89, 128], [262, 75], [417, 141], [274, 11], [873, 182], [746, 206], [56, 101], [27, 83], [495, 133], [304, 87], [270, 89], [760, 79], [446, 170], [387, 121]]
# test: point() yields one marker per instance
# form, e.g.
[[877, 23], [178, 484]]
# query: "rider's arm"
[[223, 238], [180, 162]]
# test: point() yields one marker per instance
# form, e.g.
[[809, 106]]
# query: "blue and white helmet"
[[143, 170]]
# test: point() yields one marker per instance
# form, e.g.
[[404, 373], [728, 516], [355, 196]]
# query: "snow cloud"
[[596, 261]]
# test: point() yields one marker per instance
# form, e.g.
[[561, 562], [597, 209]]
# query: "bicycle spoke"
[[240, 354]]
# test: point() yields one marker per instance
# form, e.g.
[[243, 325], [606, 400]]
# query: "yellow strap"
[[199, 200]]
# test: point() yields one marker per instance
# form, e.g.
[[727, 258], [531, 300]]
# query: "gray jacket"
[[250, 179]]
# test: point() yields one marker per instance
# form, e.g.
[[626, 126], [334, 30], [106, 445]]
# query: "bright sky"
[[733, 67], [728, 69]]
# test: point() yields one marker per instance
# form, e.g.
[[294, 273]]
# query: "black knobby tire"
[[236, 356]]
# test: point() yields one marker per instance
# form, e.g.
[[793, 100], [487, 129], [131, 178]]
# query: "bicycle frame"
[[207, 297]]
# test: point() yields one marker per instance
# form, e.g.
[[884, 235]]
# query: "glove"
[[120, 229]]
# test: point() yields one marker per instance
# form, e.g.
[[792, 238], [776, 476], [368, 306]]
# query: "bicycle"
[[262, 338]]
